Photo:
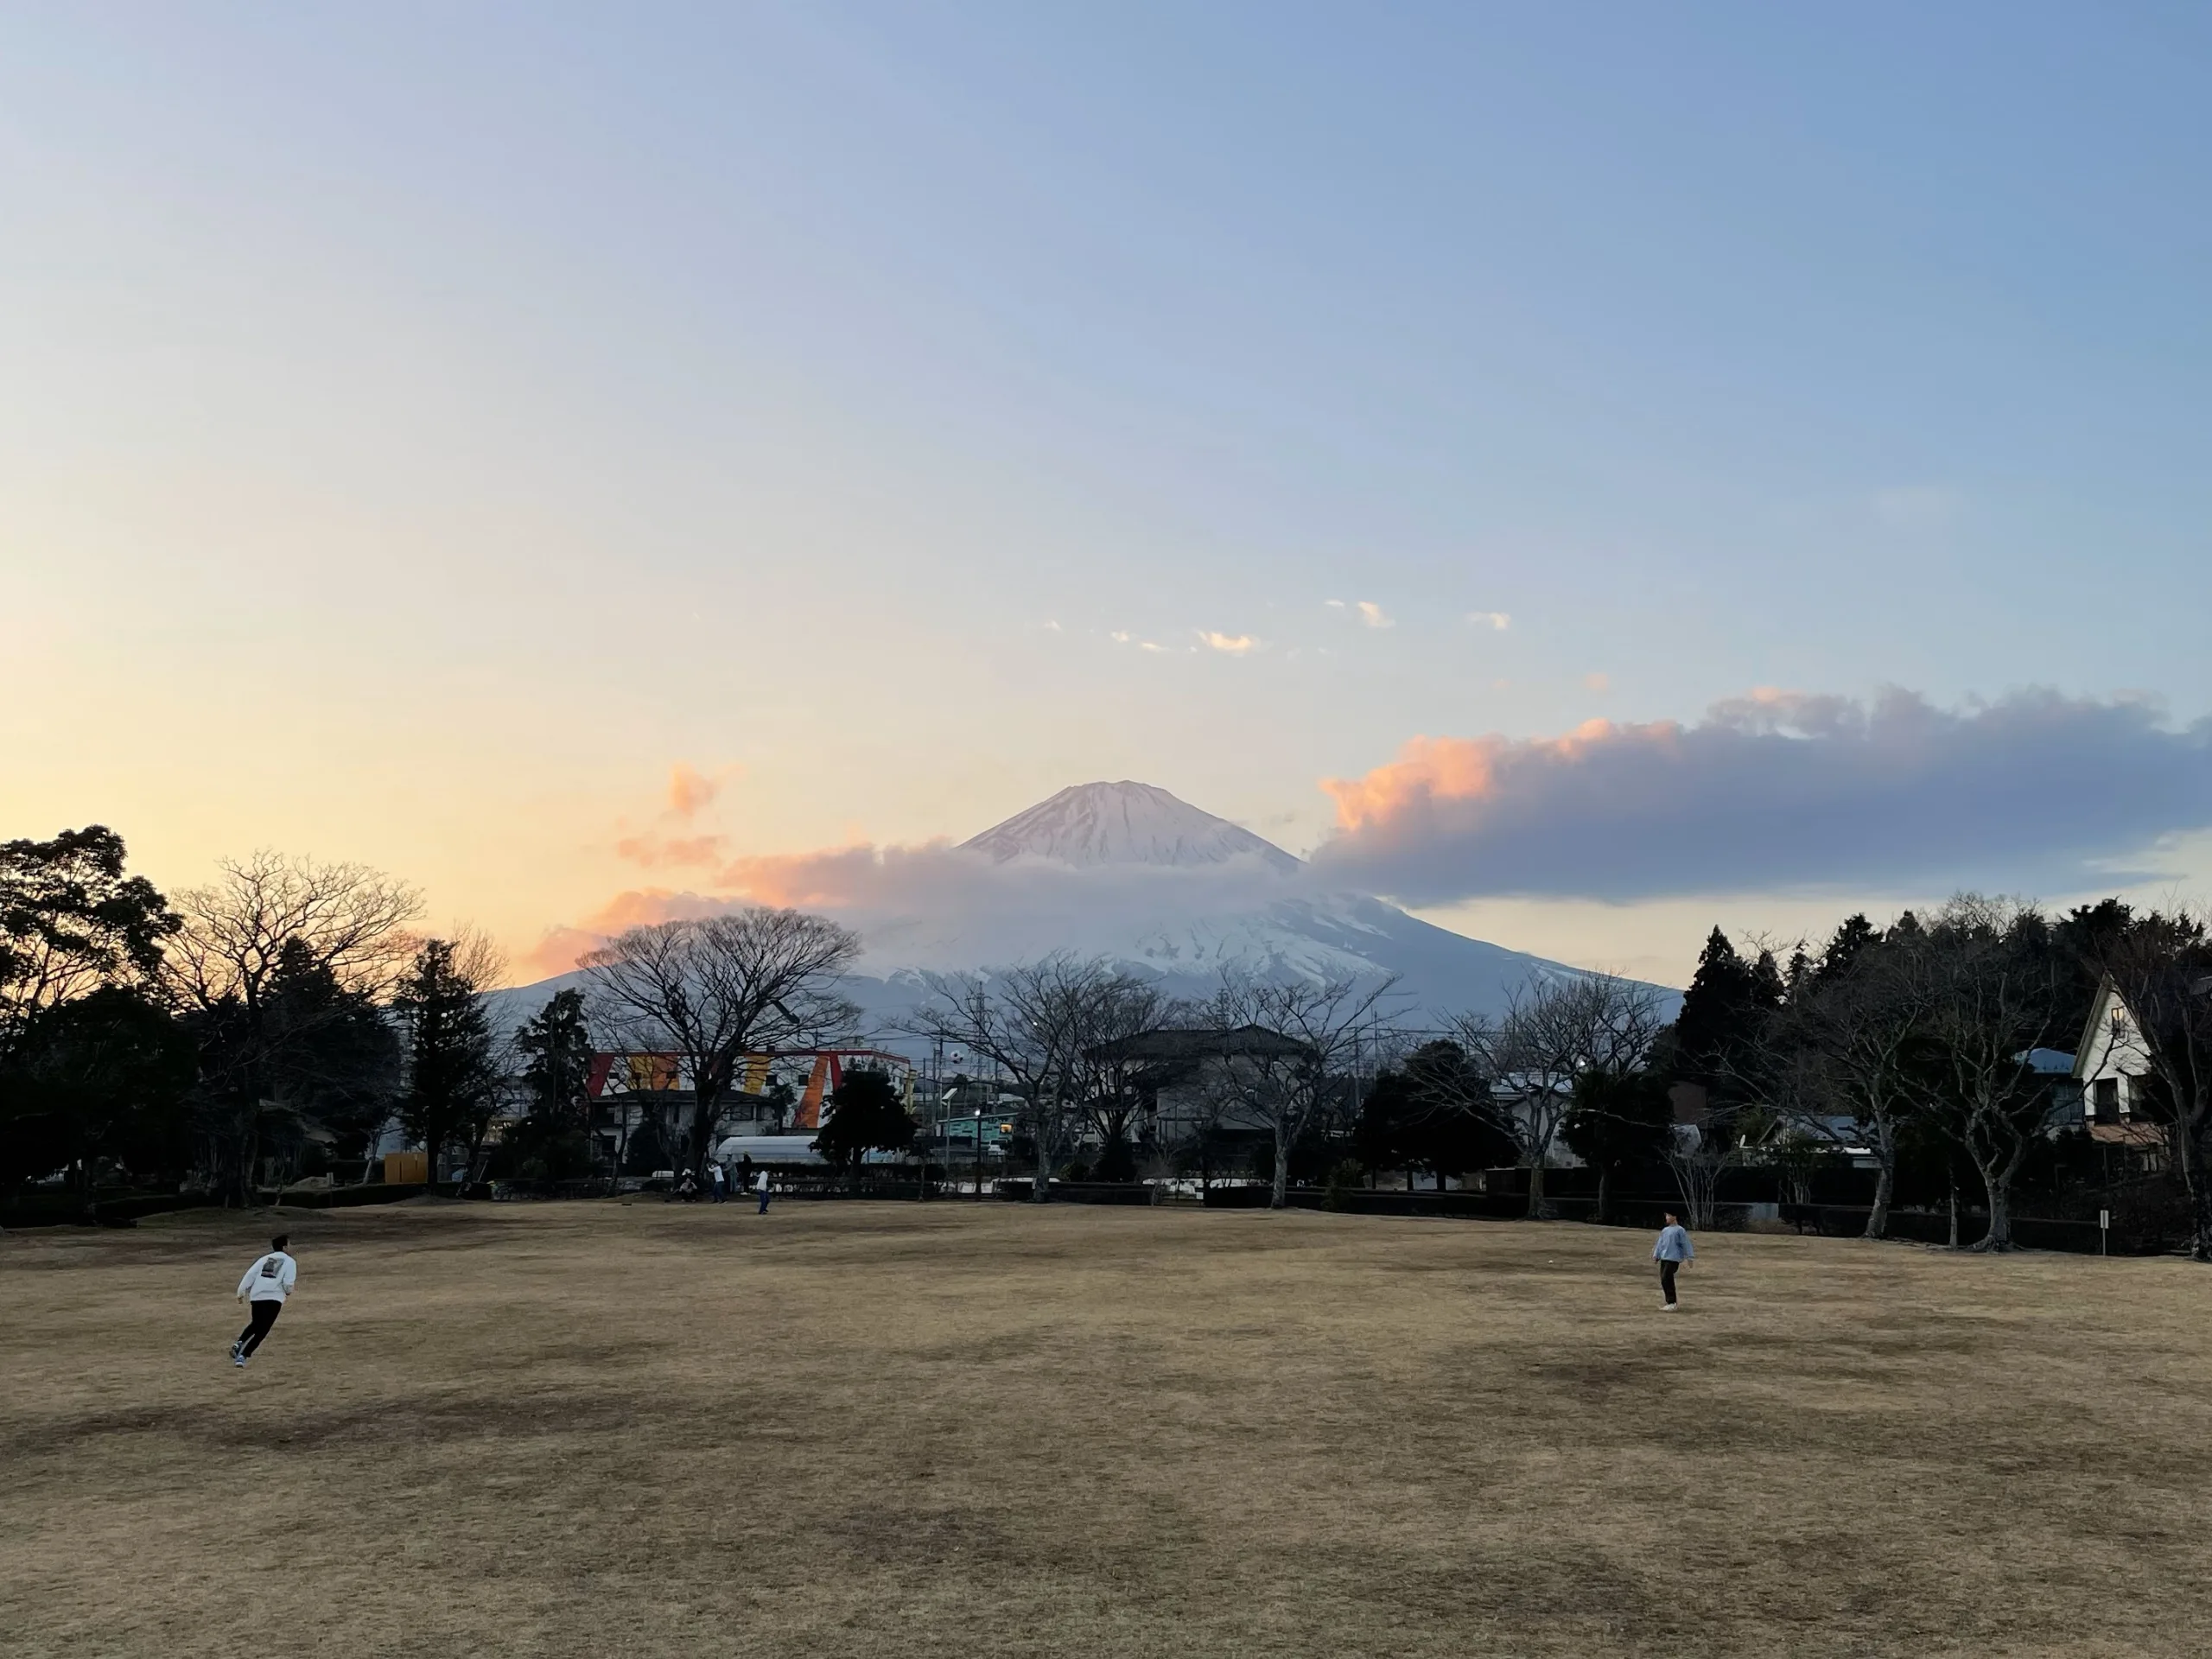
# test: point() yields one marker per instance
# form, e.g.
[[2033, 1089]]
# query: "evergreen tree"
[[1620, 1122], [552, 1142], [72, 922], [1851, 938], [1720, 1012], [101, 1078], [334, 1060], [556, 1046], [1768, 992], [451, 1076], [867, 1114]]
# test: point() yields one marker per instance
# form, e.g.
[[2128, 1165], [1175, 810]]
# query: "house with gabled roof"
[[2111, 1064]]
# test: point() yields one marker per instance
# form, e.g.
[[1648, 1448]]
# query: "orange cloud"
[[835, 877], [1465, 769], [1777, 789], [559, 950], [563, 946], [654, 851], [689, 791]]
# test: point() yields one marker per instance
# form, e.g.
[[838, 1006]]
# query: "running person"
[[1672, 1252], [264, 1287]]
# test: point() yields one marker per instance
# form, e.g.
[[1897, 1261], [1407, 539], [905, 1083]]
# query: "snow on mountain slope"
[[1123, 823], [1128, 872]]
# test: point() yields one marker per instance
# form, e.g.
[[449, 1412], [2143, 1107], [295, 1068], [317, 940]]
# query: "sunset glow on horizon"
[[589, 466]]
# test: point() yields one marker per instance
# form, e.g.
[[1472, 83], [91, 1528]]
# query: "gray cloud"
[[1779, 790]]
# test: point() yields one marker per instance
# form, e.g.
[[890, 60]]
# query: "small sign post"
[[2104, 1231]]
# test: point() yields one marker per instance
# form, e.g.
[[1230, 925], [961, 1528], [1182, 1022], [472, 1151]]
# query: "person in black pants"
[[1673, 1252], [264, 1287]]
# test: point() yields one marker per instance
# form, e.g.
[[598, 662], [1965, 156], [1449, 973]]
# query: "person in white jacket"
[[264, 1287]]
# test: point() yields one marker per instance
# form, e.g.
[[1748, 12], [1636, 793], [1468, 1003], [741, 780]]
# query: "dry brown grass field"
[[861, 1429]]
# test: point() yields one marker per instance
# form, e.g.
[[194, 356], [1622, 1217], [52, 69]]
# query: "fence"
[[2127, 1236]]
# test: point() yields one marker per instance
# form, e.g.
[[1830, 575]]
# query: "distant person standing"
[[1673, 1252], [264, 1287], [715, 1189], [761, 1186]]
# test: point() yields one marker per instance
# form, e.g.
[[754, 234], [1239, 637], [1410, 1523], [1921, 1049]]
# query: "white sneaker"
[[238, 1360], [1664, 1307]]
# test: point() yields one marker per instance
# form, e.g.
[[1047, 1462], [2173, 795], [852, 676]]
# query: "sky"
[[1584, 471]]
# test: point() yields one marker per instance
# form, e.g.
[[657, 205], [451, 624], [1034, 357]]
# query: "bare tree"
[[1988, 988], [1319, 1029], [1035, 1022], [1698, 1154], [1108, 1082], [1555, 1029], [267, 921], [1839, 1053], [711, 989], [346, 919], [2161, 966]]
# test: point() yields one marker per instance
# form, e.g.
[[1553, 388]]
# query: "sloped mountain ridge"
[[1123, 822], [1129, 872]]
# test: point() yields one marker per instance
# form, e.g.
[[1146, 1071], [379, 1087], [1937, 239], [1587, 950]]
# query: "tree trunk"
[[1536, 1211], [1997, 1181], [1886, 1180], [1604, 1193], [1280, 1197], [702, 1133], [1999, 1236], [2196, 1180], [1954, 1209]]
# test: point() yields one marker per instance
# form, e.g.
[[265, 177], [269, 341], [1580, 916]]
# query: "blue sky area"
[[422, 427]]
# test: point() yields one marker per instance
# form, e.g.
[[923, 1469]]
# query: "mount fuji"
[[1130, 873], [1124, 823]]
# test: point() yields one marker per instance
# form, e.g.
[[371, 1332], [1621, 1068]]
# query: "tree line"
[[1950, 1033], [239, 1029], [245, 1031], [1943, 1040]]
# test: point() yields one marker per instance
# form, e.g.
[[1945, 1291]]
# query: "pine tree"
[[552, 1142], [1851, 937], [1768, 992], [557, 1045], [1716, 1011], [451, 1076], [867, 1114]]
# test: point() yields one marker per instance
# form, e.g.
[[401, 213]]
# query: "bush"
[[1346, 1177]]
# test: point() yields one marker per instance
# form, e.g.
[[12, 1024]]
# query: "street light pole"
[[979, 1154]]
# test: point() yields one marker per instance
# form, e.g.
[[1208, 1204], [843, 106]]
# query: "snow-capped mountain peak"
[[1123, 822]]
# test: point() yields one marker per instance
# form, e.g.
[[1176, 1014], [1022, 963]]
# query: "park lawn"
[[860, 1429]]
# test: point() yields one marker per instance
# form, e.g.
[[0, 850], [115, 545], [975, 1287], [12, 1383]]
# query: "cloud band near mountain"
[[1778, 790]]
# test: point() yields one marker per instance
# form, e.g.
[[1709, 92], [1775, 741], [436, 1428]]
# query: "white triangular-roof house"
[[2111, 1064]]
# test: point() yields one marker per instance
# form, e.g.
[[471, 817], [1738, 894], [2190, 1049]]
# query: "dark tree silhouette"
[[866, 1114], [72, 922], [451, 1076]]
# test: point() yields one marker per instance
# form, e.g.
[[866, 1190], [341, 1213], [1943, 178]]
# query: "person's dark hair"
[[1671, 1215], [280, 1241]]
